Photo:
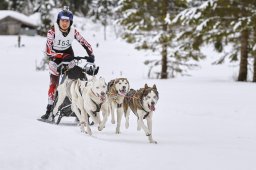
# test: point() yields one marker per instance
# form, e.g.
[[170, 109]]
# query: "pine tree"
[[17, 5], [102, 10], [26, 7], [45, 8], [146, 24], [3, 5], [78, 7], [223, 22], [30, 6]]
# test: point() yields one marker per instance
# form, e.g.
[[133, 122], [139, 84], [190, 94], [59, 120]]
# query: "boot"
[[48, 112]]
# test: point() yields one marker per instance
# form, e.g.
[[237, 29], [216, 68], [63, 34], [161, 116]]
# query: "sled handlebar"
[[78, 58], [81, 58], [62, 67]]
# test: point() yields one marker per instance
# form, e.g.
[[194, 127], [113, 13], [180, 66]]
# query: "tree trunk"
[[254, 68], [164, 73], [254, 54], [105, 23], [244, 56], [14, 5]]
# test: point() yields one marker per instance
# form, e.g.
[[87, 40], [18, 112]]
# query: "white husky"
[[87, 98]]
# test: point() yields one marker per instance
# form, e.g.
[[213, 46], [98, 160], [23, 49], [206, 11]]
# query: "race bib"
[[60, 42]]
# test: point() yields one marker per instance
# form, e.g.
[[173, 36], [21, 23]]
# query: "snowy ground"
[[203, 122]]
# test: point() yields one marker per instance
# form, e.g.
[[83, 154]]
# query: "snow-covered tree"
[[45, 9], [16, 5], [3, 5], [78, 7], [222, 22], [102, 10], [147, 24]]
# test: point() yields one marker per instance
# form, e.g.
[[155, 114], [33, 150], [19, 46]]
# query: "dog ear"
[[116, 80], [145, 88], [128, 85], [110, 84], [154, 87]]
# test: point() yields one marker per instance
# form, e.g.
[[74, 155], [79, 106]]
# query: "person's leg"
[[54, 81]]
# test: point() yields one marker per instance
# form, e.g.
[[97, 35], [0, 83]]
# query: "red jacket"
[[50, 38]]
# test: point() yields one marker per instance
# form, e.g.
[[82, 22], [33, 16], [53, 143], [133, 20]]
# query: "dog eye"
[[119, 83]]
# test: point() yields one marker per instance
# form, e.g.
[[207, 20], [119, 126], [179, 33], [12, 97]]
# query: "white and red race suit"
[[59, 48]]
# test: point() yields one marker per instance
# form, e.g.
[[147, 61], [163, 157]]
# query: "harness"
[[146, 115], [140, 104], [98, 106], [119, 105]]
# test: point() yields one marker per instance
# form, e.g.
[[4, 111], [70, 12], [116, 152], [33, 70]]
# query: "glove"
[[91, 59], [58, 55], [93, 72]]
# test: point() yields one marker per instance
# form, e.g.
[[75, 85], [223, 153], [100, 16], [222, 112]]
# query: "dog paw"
[[126, 125], [113, 121], [148, 134], [100, 128], [89, 132], [153, 141], [117, 131], [138, 128], [82, 129]]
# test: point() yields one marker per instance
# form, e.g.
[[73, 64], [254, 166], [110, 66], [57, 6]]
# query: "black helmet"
[[65, 14]]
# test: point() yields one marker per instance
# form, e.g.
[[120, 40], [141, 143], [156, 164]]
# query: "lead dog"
[[117, 90], [142, 103]]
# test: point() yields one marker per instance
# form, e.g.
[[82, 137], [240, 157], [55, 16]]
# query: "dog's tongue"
[[122, 92], [152, 107], [102, 98]]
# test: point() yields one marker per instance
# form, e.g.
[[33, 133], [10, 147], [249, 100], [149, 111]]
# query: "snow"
[[35, 18], [238, 24], [200, 27], [18, 16], [206, 121], [193, 12], [167, 19]]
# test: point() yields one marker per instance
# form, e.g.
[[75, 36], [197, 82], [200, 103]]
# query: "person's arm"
[[84, 43], [49, 44]]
